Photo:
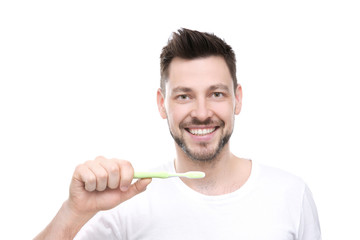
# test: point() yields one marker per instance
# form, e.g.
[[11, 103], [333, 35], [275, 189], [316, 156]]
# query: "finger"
[[99, 158], [84, 175], [126, 174], [138, 187], [113, 172], [142, 184], [100, 174]]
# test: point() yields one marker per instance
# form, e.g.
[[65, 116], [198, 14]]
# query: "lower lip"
[[202, 138]]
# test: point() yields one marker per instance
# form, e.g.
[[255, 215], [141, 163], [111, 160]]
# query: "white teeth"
[[201, 132]]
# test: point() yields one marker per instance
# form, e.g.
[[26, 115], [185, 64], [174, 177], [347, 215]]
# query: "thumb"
[[138, 187], [141, 184]]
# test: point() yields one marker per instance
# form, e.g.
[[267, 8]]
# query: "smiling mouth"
[[201, 131]]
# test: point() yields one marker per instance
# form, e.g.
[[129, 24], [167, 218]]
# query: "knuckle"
[[90, 180], [123, 162], [88, 163], [100, 158], [127, 166], [102, 176], [79, 167], [137, 187], [112, 168], [90, 184]]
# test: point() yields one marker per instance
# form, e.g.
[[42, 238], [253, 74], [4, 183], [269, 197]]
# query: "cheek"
[[176, 114], [224, 111]]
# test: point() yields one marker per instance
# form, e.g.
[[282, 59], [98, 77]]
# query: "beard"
[[206, 153]]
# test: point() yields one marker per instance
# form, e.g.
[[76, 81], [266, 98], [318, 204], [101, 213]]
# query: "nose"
[[201, 110]]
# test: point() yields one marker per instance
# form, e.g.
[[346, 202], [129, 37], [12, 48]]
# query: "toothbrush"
[[191, 174]]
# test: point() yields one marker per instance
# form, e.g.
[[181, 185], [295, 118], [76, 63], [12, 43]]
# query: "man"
[[238, 199]]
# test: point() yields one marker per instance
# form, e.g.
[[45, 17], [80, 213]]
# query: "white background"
[[78, 79]]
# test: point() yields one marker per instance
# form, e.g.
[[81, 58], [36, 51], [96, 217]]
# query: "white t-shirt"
[[271, 205]]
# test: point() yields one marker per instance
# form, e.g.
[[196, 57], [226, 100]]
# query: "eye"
[[218, 94], [183, 97]]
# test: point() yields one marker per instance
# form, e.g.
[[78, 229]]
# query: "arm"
[[96, 185], [309, 227], [65, 224]]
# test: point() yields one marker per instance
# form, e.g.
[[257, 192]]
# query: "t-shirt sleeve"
[[309, 227]]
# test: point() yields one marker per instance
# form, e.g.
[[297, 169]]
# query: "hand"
[[96, 185], [102, 184]]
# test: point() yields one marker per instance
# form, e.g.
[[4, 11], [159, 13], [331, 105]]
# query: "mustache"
[[195, 121]]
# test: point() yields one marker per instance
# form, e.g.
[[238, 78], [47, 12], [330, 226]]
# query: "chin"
[[203, 155]]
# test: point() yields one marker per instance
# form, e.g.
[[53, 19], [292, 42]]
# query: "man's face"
[[200, 105]]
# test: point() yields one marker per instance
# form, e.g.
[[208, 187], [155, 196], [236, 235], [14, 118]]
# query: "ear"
[[161, 103], [238, 99]]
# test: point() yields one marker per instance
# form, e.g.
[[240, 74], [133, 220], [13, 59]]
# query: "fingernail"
[[124, 188]]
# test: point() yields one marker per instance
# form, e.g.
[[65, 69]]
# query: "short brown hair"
[[190, 44]]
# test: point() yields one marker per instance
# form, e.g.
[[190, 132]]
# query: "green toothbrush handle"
[[151, 175]]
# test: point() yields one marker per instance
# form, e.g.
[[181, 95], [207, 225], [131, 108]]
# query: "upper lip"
[[192, 128], [200, 127]]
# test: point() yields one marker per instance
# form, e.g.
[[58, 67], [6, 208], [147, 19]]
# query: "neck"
[[224, 174]]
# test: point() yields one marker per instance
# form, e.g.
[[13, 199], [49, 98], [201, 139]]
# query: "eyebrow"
[[181, 89], [219, 87], [211, 88]]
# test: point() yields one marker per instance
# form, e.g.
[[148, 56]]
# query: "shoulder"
[[276, 174], [277, 179]]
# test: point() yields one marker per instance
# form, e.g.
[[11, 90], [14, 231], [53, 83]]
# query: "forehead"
[[198, 73]]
